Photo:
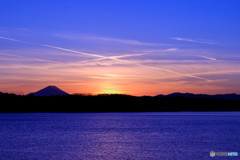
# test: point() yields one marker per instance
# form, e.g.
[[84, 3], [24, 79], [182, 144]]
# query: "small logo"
[[213, 154]]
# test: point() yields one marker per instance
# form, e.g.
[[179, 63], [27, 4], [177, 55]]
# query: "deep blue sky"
[[151, 20], [193, 30]]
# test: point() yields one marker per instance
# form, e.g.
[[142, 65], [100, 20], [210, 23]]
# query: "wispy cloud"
[[123, 41], [107, 39], [192, 40], [159, 50]]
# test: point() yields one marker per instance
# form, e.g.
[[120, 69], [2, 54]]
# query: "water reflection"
[[117, 136]]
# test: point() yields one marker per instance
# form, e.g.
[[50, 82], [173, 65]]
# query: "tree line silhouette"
[[11, 103]]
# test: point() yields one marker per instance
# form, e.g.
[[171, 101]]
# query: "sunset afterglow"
[[125, 47]]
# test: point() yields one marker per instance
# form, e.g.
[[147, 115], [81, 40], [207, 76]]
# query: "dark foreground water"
[[113, 136]]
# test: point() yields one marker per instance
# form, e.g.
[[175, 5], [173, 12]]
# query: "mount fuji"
[[50, 91]]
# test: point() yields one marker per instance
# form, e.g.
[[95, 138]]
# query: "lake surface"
[[113, 136]]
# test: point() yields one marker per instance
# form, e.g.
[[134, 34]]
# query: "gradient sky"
[[137, 47]]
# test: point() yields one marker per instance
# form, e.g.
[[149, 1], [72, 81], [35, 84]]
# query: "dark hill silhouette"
[[232, 96], [50, 91]]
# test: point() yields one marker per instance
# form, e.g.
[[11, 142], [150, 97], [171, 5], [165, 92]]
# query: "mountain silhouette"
[[50, 91], [232, 96]]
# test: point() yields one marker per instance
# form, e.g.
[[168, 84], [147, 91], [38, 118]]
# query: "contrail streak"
[[210, 58], [16, 40], [36, 59], [73, 51], [107, 57], [128, 55], [10, 39], [192, 40], [171, 71]]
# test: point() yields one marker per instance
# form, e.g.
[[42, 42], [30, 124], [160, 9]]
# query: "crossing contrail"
[[106, 57]]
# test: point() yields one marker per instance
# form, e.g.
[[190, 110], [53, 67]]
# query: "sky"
[[135, 47]]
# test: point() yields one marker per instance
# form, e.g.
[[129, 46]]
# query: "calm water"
[[113, 136]]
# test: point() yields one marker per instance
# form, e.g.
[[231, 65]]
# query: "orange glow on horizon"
[[108, 88], [110, 92]]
